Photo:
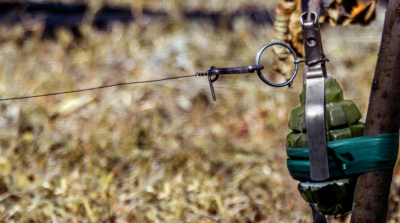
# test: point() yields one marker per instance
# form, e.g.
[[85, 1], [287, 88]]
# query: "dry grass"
[[161, 152]]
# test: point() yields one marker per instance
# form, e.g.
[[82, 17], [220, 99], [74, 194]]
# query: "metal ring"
[[257, 62]]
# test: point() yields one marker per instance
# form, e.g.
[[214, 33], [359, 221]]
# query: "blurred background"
[[158, 152]]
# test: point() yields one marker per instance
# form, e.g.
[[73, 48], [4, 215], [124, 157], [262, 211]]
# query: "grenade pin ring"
[[296, 66]]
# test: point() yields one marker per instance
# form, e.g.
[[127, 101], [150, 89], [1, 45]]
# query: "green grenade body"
[[335, 196]]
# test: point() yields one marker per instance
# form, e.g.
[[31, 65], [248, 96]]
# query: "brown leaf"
[[287, 29], [349, 12], [295, 30], [364, 17]]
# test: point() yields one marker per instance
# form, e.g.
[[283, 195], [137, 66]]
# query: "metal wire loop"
[[257, 62], [313, 62]]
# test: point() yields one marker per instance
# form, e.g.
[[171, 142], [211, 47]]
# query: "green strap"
[[349, 156]]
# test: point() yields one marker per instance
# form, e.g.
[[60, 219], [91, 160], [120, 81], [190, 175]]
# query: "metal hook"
[[211, 81]]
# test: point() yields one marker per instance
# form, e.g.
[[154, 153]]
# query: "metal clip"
[[315, 97], [232, 70]]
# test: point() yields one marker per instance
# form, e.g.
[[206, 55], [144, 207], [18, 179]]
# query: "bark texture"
[[372, 191]]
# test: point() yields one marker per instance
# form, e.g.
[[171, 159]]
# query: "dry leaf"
[[295, 30], [349, 12], [283, 62], [71, 105]]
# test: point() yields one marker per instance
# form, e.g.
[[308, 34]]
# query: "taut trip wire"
[[94, 88]]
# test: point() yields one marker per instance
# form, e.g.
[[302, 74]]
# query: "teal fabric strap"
[[349, 156]]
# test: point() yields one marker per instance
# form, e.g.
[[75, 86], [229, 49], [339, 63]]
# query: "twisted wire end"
[[200, 74]]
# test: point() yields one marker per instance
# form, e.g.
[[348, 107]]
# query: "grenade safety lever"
[[315, 97]]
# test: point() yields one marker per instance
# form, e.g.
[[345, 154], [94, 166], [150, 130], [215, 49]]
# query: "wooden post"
[[372, 190]]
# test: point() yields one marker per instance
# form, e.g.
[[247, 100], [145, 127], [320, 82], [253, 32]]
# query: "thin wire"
[[95, 88]]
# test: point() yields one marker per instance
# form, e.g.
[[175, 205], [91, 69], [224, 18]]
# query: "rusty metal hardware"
[[232, 70], [250, 69]]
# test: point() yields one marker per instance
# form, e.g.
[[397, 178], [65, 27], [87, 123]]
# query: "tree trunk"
[[372, 191]]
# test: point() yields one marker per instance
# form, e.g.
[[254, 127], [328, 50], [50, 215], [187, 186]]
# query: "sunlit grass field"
[[158, 152]]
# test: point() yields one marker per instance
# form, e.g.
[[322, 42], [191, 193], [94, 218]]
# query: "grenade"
[[342, 119]]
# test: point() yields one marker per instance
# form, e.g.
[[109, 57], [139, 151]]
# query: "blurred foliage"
[[170, 6], [340, 12], [160, 152]]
